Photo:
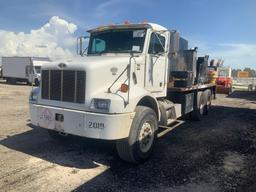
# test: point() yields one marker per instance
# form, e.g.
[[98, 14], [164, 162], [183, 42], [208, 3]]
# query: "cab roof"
[[128, 26]]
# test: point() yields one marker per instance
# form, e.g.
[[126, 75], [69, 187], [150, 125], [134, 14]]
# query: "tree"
[[234, 72], [252, 73]]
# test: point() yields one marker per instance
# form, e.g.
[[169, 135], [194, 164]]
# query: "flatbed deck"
[[187, 89]]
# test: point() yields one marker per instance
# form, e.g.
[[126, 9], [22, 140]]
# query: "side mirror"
[[80, 50]]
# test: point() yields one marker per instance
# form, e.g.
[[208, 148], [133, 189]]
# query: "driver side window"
[[98, 45], [157, 44]]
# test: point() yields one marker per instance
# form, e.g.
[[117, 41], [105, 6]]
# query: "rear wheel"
[[11, 80], [208, 104], [196, 114], [36, 82], [139, 145]]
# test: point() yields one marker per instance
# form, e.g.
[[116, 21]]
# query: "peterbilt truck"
[[131, 84]]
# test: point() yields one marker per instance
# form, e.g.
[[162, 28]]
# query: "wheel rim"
[[146, 136]]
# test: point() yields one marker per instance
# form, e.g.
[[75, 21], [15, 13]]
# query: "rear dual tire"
[[138, 147], [203, 106], [196, 114], [37, 83], [208, 104]]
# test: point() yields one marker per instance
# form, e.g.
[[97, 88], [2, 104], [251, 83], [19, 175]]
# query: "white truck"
[[132, 81], [22, 69]]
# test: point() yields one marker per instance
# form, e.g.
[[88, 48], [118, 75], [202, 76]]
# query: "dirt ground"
[[215, 154]]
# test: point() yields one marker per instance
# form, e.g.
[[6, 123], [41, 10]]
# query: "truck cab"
[[116, 89], [33, 74]]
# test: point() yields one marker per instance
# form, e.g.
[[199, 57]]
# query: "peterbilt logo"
[[114, 70], [62, 65]]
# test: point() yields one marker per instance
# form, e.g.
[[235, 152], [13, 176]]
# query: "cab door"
[[156, 62]]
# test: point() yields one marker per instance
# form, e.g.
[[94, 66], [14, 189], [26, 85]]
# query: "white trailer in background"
[[23, 69]]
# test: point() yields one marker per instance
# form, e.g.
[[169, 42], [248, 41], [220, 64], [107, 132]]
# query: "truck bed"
[[194, 87]]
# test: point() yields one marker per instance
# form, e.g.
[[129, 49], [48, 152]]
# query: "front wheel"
[[37, 82], [139, 145]]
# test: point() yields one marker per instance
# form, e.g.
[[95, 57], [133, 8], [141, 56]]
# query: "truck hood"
[[90, 62], [101, 73]]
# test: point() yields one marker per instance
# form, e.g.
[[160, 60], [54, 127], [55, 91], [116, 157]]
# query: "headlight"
[[100, 104], [34, 94]]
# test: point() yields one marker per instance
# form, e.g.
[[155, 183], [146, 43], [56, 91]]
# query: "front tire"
[[37, 82], [138, 147]]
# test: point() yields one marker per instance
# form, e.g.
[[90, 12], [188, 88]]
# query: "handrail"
[[109, 88], [128, 68]]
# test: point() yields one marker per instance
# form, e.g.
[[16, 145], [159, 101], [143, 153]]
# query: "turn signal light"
[[124, 88]]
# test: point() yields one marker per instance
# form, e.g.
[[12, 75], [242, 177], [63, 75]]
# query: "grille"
[[62, 85]]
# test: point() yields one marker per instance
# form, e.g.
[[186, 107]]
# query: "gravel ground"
[[215, 154]]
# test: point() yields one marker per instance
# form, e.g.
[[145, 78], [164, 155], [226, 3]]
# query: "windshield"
[[117, 41], [37, 69]]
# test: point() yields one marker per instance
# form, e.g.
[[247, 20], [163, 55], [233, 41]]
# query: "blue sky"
[[224, 29]]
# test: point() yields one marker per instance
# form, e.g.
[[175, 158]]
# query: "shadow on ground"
[[248, 95], [199, 156], [198, 153], [73, 151]]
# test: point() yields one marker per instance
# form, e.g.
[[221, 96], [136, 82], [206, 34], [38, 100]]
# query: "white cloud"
[[55, 39]]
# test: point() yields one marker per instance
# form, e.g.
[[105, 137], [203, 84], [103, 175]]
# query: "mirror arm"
[[79, 45]]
